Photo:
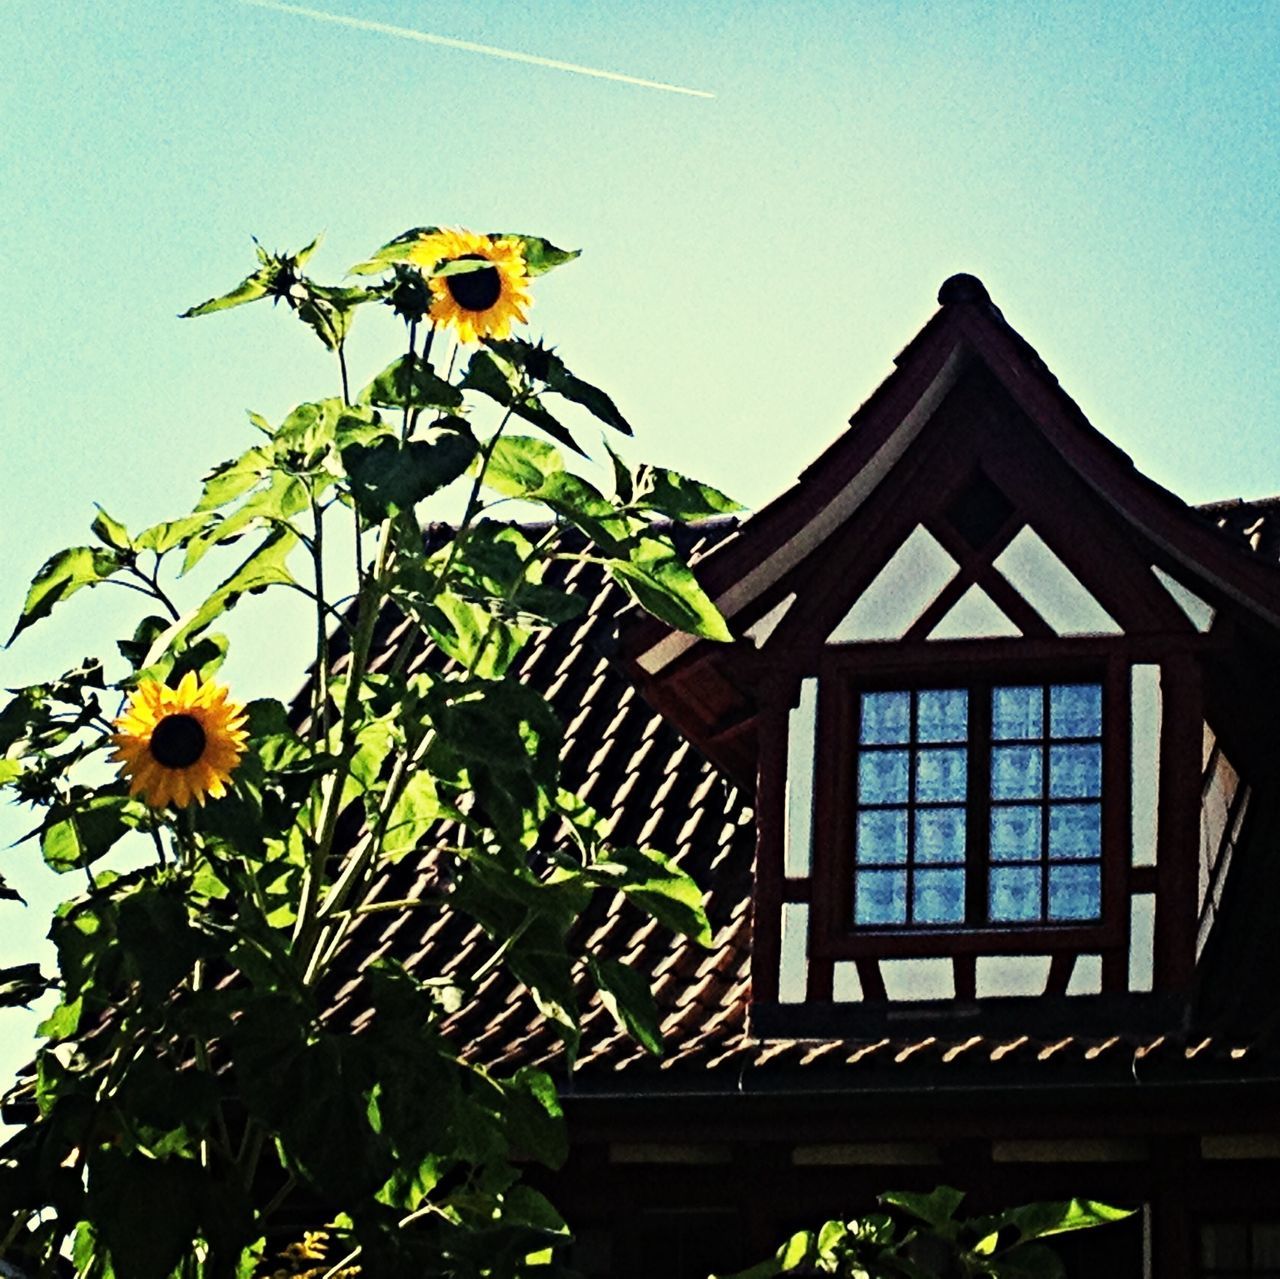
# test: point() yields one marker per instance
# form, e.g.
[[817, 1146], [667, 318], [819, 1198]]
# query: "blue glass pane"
[[882, 836], [1075, 830], [882, 777], [1015, 893], [1016, 772], [1075, 710], [886, 718], [1015, 833], [942, 774], [880, 897], [940, 835], [1017, 713], [1075, 771], [942, 715], [1075, 892], [938, 897]]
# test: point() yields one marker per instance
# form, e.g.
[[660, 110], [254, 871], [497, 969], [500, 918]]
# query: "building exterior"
[[983, 798]]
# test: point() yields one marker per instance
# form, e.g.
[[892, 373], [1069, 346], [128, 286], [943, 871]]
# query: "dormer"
[[1002, 699]]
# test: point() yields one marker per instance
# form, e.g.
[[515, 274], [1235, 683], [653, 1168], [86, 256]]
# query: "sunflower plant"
[[190, 1111]]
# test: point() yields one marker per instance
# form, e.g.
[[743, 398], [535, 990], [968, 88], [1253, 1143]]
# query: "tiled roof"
[[628, 762]]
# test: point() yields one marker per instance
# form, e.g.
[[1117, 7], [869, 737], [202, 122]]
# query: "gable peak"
[[963, 288]]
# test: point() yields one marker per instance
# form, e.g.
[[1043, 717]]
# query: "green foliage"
[[921, 1237], [189, 1086]]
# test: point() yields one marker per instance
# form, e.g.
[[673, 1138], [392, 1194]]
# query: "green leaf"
[[170, 534], [60, 577], [542, 364], [284, 497], [10, 770], [520, 465], [500, 381], [1035, 1221], [21, 985], [75, 838], [250, 289], [111, 532], [146, 1211], [397, 250], [936, 1209], [412, 815], [534, 1119], [472, 634], [675, 495], [660, 581], [627, 996], [540, 256], [391, 477], [265, 567], [653, 881], [410, 382], [229, 480]]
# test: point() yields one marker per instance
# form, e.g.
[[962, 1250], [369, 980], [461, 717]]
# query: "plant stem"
[[320, 702]]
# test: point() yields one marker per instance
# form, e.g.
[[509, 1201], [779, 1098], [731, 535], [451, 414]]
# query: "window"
[[1240, 1249], [978, 806]]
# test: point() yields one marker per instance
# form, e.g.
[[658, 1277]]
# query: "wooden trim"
[[926, 943], [795, 889]]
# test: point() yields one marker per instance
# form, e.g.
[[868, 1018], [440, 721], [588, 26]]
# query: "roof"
[[625, 759]]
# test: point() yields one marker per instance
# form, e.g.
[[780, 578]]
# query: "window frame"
[[842, 678]]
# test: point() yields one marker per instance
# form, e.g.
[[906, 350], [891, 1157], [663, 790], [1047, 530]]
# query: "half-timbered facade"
[[984, 799]]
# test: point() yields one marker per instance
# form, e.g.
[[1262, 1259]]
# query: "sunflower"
[[179, 744], [479, 303]]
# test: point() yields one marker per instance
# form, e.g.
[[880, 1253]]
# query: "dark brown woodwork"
[[766, 911]]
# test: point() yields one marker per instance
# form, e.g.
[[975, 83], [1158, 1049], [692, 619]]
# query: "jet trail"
[[467, 46]]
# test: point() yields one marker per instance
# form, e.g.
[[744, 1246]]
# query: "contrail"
[[424, 37]]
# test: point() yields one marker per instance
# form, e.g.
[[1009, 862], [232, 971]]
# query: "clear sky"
[[751, 260]]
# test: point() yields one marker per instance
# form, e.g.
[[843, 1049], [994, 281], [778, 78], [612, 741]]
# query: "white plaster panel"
[[1051, 588], [1086, 976], [802, 724], [912, 979], [899, 593], [846, 985], [1199, 613], [975, 615], [1010, 976], [1142, 941], [793, 967], [1144, 718]]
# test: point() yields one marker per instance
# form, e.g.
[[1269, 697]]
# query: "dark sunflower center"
[[475, 290], [177, 741]]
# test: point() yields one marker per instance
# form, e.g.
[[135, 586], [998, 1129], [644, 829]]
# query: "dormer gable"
[[985, 679]]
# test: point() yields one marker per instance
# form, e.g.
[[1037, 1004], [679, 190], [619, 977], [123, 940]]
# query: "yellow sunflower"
[[179, 744], [479, 303]]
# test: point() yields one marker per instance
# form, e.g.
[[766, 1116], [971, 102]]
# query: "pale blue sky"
[[751, 262]]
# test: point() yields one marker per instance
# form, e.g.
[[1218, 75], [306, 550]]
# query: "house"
[[983, 798]]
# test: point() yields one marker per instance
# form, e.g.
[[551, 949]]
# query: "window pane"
[[942, 715], [1075, 770], [1017, 713], [939, 897], [1075, 892], [1266, 1246], [882, 835], [880, 897], [1075, 830], [1225, 1247], [1015, 893], [882, 777], [940, 835], [886, 717], [1015, 833], [1016, 772], [1075, 710], [941, 774]]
